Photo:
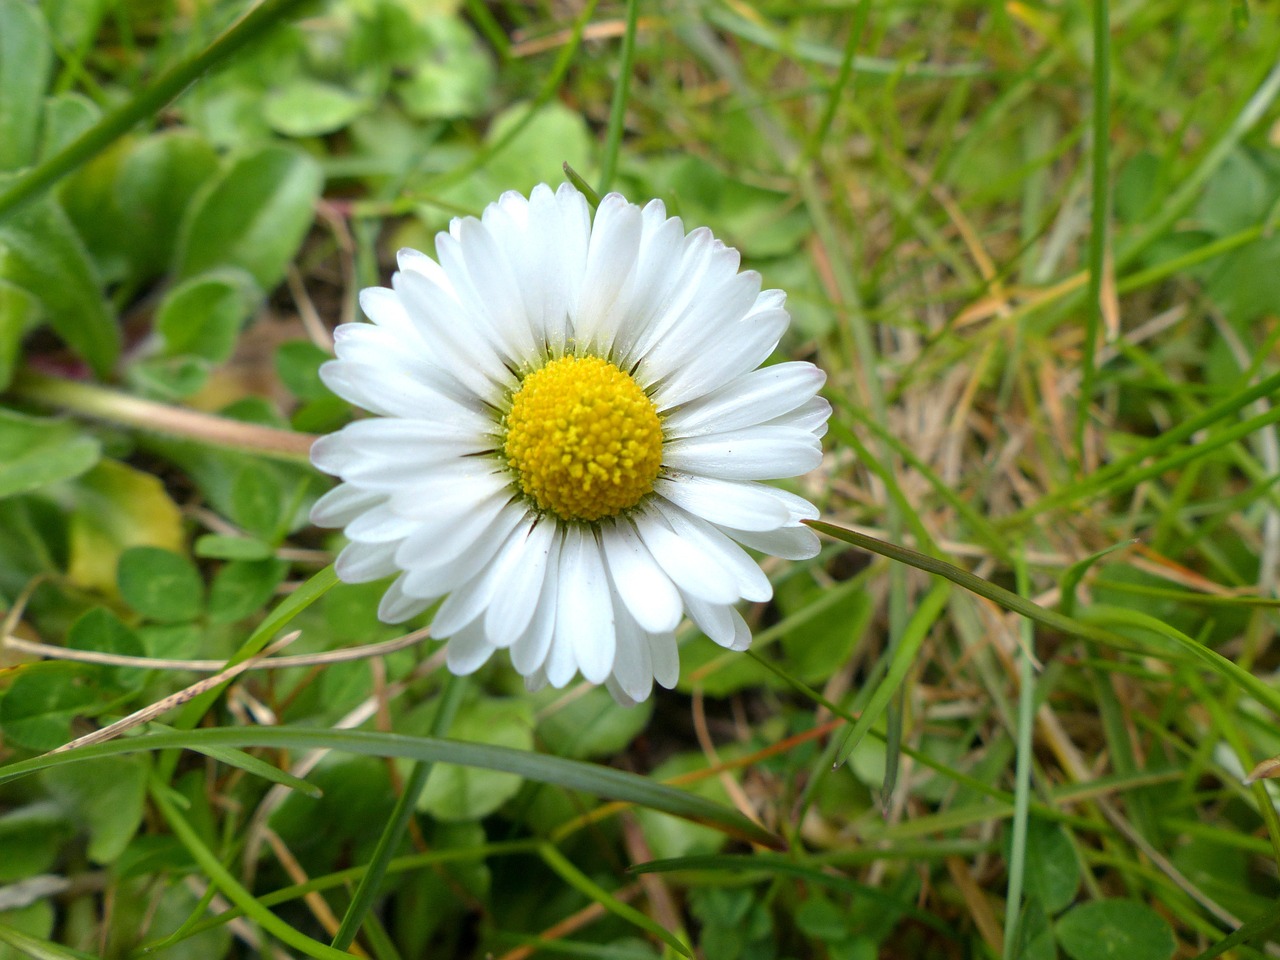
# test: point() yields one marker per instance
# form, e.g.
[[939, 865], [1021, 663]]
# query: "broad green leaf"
[[215, 546], [37, 709], [41, 252], [24, 933], [155, 184], [30, 837], [116, 507], [160, 584], [1053, 873], [1115, 930], [66, 116], [170, 379], [253, 216], [591, 725], [311, 108], [104, 798], [453, 76], [589, 778], [355, 803], [257, 501], [25, 64], [102, 631], [203, 315], [19, 313], [35, 452], [243, 587], [456, 793], [298, 365]]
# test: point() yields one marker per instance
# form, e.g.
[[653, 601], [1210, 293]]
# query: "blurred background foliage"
[[917, 177]]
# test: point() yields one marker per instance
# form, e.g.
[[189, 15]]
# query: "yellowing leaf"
[[117, 507]]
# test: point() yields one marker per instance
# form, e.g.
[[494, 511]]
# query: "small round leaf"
[[159, 584]]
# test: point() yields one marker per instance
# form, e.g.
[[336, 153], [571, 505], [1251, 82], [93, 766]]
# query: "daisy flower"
[[568, 436]]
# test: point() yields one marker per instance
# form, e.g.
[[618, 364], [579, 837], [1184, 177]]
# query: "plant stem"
[[113, 406]]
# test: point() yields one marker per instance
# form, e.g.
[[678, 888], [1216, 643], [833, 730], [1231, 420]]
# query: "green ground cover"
[[1009, 711]]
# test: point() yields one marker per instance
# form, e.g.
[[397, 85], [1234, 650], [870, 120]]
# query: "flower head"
[[570, 426]]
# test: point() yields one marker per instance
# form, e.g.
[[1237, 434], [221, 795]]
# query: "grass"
[[1008, 712]]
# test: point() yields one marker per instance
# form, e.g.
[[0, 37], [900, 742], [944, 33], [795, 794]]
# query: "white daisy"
[[569, 436]]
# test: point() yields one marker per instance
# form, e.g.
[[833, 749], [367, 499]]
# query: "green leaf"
[[30, 837], [253, 216], [66, 116], [257, 500], [154, 186], [37, 709], [41, 252], [1115, 930], [298, 364], [311, 108], [456, 793], [243, 587], [452, 78], [36, 452], [214, 546], [115, 507], [160, 584], [203, 315], [1053, 873], [102, 631], [19, 313], [590, 778], [169, 379], [105, 798], [25, 64], [591, 725]]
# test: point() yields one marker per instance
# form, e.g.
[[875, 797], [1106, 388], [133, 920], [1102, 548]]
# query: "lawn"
[[1021, 704]]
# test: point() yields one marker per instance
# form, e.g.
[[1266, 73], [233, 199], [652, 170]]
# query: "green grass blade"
[[146, 103], [904, 655], [1049, 618], [571, 774], [232, 888], [571, 875], [1101, 136], [621, 93], [393, 833]]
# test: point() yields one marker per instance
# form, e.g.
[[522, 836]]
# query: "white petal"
[[697, 338], [524, 567], [750, 583], [458, 336], [379, 524], [812, 416], [473, 597], [611, 258], [366, 562], [396, 606], [632, 669], [493, 289], [795, 542], [756, 397], [645, 590], [665, 657], [740, 349], [715, 620], [730, 503], [585, 631], [343, 504], [529, 653], [434, 569], [756, 453], [689, 566], [468, 650]]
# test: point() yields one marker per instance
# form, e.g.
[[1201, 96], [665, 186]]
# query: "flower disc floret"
[[583, 439]]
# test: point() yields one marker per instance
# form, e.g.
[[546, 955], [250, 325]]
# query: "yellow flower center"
[[583, 439]]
